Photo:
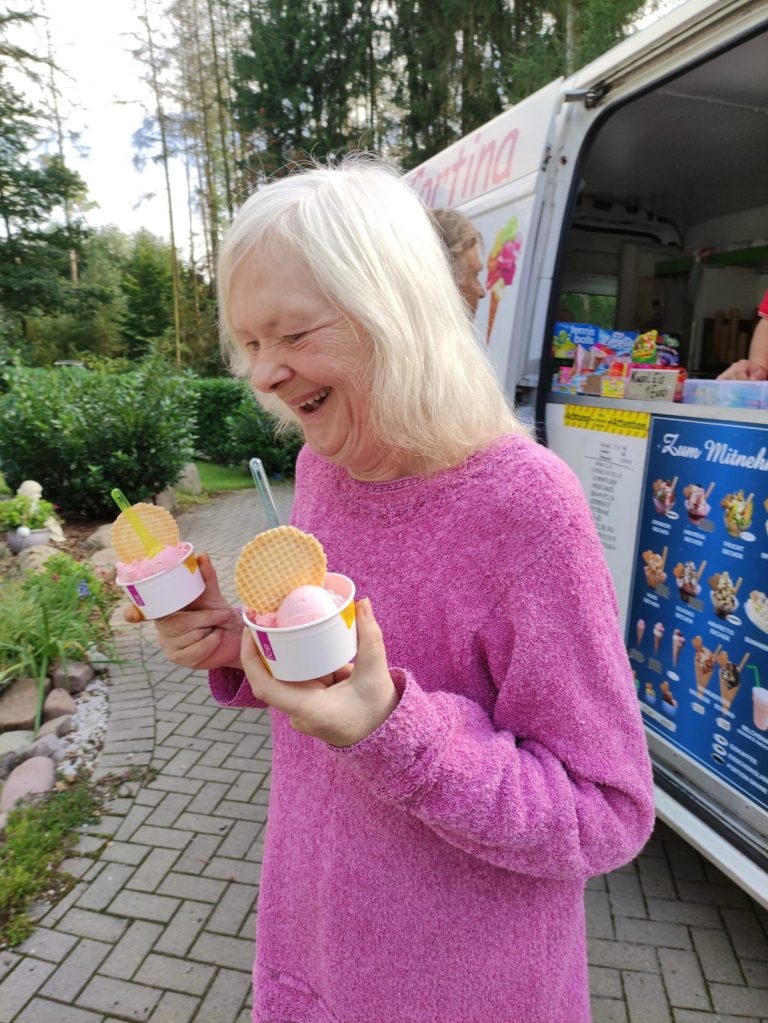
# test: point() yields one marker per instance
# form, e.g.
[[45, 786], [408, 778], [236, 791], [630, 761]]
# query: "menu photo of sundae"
[[730, 677], [756, 609], [655, 576], [704, 661], [687, 576], [737, 514], [723, 595], [668, 700], [696, 505], [664, 494]]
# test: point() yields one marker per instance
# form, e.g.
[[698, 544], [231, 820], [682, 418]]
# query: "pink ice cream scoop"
[[303, 605], [166, 559]]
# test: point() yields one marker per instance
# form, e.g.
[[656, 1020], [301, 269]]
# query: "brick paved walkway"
[[159, 928]]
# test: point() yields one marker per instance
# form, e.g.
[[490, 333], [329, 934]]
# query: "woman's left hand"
[[340, 709]]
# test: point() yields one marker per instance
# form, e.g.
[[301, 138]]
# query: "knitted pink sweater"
[[434, 872]]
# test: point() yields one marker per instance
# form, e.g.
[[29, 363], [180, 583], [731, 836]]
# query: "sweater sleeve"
[[555, 782], [230, 688]]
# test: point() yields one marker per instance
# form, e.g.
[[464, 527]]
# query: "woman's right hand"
[[204, 635]]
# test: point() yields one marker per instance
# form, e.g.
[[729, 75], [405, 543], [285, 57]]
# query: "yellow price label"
[[608, 420]]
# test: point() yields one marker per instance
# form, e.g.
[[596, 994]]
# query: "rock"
[[3, 821], [58, 703], [97, 659], [189, 482], [103, 563], [61, 725], [32, 778], [101, 538], [166, 499], [33, 558], [74, 677], [50, 746], [11, 743], [18, 704]]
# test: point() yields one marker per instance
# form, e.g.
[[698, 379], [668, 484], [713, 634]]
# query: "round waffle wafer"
[[276, 562], [160, 524]]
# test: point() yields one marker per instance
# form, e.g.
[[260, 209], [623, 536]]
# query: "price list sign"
[[697, 630]]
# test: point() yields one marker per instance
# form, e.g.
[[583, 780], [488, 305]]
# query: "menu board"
[[697, 630]]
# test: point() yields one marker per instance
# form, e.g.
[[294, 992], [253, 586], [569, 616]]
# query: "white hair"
[[369, 242]]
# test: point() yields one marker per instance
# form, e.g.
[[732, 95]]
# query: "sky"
[[105, 101]]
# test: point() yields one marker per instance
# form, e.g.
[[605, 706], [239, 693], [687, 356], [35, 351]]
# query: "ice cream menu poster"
[[697, 630]]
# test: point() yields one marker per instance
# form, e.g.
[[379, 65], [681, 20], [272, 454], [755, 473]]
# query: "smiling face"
[[306, 352]]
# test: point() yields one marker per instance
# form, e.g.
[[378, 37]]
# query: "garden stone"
[[102, 537], [189, 482], [57, 703], [103, 563], [97, 659], [33, 558], [18, 704], [50, 746], [32, 778], [61, 725], [166, 499], [10, 744], [73, 677]]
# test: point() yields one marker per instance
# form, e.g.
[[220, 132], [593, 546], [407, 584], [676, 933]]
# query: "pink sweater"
[[434, 873]]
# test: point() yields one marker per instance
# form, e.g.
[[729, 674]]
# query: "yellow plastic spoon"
[[151, 545]]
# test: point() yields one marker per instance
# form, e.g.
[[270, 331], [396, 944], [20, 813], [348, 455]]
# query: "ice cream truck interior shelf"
[[628, 205]]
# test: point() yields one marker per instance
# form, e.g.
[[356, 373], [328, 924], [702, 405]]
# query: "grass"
[[217, 478], [37, 839]]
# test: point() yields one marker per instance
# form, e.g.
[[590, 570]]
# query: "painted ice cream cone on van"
[[502, 263]]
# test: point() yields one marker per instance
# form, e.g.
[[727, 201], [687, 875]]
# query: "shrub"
[[232, 428], [82, 433], [18, 511]]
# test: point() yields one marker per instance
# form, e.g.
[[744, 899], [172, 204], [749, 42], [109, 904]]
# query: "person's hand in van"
[[755, 366]]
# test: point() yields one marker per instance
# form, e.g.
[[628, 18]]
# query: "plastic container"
[[169, 591], [309, 651]]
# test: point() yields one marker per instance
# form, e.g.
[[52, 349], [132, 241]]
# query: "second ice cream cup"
[[168, 591], [309, 651]]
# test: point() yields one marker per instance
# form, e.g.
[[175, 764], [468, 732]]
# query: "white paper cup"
[[166, 592], [304, 652]]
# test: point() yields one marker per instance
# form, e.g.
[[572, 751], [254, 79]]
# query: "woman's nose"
[[269, 370]]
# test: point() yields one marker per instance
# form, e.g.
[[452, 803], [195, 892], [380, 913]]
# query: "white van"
[[634, 194]]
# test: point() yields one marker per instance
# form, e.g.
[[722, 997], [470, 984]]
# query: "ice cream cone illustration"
[[640, 631], [730, 677], [502, 263], [704, 661], [658, 635], [678, 642]]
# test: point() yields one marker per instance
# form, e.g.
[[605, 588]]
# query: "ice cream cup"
[[167, 591], [309, 651]]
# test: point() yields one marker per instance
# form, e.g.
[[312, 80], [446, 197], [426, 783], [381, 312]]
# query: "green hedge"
[[81, 433], [233, 428]]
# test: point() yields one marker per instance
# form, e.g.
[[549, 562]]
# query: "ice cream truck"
[[624, 218]]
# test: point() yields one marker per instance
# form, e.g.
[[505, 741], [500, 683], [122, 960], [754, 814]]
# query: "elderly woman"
[[437, 808]]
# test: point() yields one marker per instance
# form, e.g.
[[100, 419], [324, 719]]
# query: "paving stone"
[[652, 932], [604, 1010], [224, 1001], [124, 852], [51, 917], [98, 926], [217, 948], [76, 970], [48, 944], [693, 1016], [755, 970], [747, 935], [129, 953], [181, 763], [204, 824], [103, 890], [205, 889], [605, 983], [655, 878], [598, 910], [208, 798], [685, 863], [739, 1000], [244, 788], [150, 797], [622, 955], [174, 974], [244, 834], [176, 1008], [646, 998], [683, 979], [198, 854], [233, 908], [21, 984], [256, 812], [143, 906], [712, 894], [677, 912], [123, 998], [716, 956], [7, 962], [168, 838], [232, 870], [179, 935], [40, 1010], [626, 895], [167, 812], [214, 774], [132, 822], [153, 870]]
